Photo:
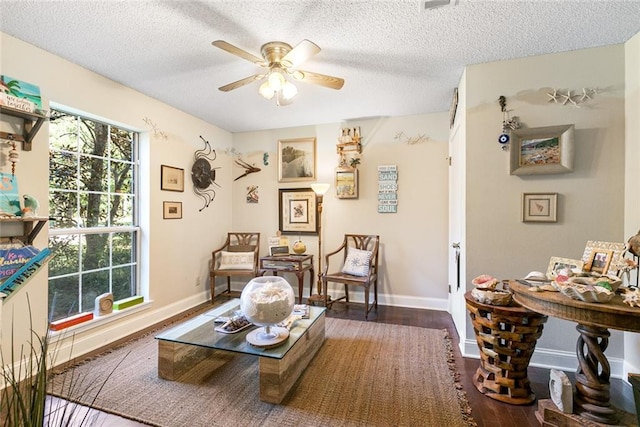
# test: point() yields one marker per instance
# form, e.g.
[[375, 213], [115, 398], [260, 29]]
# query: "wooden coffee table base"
[[277, 376]]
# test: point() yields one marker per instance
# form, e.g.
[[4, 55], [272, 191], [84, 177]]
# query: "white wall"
[[632, 175], [178, 250], [591, 198], [413, 241]]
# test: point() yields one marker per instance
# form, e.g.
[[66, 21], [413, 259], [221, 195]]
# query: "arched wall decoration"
[[203, 175]]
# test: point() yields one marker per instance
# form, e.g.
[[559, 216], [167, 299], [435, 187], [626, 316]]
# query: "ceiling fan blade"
[[239, 52], [240, 83], [300, 53], [320, 79]]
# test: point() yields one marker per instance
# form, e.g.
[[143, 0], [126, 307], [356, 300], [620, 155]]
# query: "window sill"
[[99, 321]]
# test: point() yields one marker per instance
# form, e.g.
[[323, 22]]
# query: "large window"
[[93, 199]]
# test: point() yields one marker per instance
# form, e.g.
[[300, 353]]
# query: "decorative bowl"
[[484, 281], [586, 293], [491, 297]]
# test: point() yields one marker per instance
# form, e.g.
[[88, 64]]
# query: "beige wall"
[[178, 250], [591, 198], [632, 174], [413, 241]]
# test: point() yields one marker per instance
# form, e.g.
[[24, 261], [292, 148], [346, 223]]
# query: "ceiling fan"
[[280, 61]]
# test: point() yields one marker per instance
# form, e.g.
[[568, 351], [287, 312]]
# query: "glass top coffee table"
[[186, 344]]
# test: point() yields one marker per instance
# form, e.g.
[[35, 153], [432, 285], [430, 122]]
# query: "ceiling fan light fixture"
[[266, 90], [297, 75], [276, 80], [289, 90]]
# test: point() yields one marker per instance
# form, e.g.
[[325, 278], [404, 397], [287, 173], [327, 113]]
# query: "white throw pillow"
[[236, 260], [357, 262]]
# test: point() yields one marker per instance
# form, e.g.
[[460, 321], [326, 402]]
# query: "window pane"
[[95, 251], [121, 178], [94, 174], [65, 251], [93, 284], [63, 132], [63, 169], [63, 207], [94, 138], [124, 284], [93, 209], [121, 210], [121, 144], [64, 297], [123, 248]]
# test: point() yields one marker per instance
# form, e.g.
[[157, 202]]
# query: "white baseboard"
[[550, 359]]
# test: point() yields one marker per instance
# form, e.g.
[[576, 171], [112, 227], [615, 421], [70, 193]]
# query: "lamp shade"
[[320, 188]]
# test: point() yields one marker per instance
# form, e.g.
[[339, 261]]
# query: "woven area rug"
[[365, 374]]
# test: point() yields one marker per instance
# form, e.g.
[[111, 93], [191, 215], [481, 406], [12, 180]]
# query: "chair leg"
[[375, 294], [346, 293], [228, 284], [366, 303], [324, 292], [212, 280]]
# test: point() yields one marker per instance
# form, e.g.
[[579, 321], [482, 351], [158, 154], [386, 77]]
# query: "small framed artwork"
[[171, 210], [297, 160], [347, 183], [298, 211], [171, 179], [545, 150], [539, 207], [599, 261], [556, 264], [594, 248]]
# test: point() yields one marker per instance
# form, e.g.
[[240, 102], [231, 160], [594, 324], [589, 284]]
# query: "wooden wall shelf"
[[32, 124], [31, 226]]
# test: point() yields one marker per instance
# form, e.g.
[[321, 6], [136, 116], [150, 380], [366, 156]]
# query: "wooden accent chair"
[[236, 258], [359, 256]]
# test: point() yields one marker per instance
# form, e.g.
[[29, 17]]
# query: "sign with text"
[[388, 189]]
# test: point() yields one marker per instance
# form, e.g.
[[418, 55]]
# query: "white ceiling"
[[396, 58]]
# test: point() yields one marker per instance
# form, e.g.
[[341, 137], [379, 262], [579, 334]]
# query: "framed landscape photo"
[[297, 160], [298, 211], [171, 210], [539, 207], [545, 150], [347, 183], [556, 264], [171, 179]]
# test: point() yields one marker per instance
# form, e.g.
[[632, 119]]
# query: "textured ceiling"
[[395, 57]]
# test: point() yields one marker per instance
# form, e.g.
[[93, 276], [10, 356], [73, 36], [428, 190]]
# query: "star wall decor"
[[568, 97]]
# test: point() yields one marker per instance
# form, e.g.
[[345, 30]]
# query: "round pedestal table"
[[592, 394]]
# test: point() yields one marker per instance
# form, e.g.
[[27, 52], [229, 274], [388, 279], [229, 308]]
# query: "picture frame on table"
[[539, 207], [544, 150], [171, 210], [347, 183], [297, 160], [593, 252], [297, 211], [599, 261], [171, 178], [556, 264]]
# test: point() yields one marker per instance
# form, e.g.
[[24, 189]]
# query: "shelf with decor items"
[[32, 124], [22, 228]]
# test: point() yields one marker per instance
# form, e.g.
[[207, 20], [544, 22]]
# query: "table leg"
[[300, 276], [311, 280], [592, 398]]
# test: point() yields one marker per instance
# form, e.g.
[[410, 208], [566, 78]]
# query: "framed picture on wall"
[[298, 211], [171, 179], [171, 210], [297, 160], [546, 150], [347, 183], [539, 207]]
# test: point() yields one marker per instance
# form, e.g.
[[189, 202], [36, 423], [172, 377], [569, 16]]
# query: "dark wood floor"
[[486, 411]]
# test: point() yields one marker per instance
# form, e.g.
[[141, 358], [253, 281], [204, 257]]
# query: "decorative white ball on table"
[[267, 301]]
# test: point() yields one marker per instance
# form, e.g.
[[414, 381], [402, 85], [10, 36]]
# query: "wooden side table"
[[296, 264], [592, 393], [506, 337]]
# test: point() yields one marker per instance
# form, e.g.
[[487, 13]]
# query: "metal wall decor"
[[508, 124], [203, 175]]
